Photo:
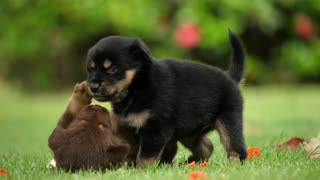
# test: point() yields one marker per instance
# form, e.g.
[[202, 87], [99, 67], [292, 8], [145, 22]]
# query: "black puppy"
[[162, 102]]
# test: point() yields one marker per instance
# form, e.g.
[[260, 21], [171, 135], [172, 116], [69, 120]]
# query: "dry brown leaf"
[[291, 144], [313, 147]]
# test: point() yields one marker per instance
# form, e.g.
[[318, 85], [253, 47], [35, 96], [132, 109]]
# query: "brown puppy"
[[83, 137]]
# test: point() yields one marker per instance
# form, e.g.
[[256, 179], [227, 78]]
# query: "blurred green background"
[[44, 43]]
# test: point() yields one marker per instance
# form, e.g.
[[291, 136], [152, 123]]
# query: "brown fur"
[[83, 137]]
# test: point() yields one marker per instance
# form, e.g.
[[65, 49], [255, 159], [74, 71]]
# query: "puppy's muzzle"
[[98, 92], [94, 87]]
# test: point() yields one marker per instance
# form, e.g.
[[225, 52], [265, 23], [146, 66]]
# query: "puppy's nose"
[[94, 87]]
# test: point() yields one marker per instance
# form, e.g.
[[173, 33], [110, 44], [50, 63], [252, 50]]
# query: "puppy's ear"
[[140, 50], [117, 153]]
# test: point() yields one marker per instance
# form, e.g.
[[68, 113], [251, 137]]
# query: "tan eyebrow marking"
[[106, 63], [92, 64]]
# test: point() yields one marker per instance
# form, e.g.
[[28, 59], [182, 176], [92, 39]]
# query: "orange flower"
[[199, 175], [253, 152], [3, 172], [192, 164], [204, 164]]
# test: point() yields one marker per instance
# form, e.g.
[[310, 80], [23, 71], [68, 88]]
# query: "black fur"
[[186, 100], [237, 67]]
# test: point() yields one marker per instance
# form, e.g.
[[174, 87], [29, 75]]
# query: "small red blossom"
[[204, 164], [304, 27], [192, 164], [253, 152], [4, 172], [187, 35], [199, 175]]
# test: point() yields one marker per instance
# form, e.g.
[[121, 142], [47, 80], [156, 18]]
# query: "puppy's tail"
[[236, 68]]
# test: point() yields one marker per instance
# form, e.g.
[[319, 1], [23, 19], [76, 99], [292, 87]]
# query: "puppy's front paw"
[[80, 97], [81, 93]]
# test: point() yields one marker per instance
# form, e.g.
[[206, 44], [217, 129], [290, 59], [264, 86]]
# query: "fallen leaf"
[[291, 144], [253, 152], [199, 175], [4, 172], [204, 164], [313, 147]]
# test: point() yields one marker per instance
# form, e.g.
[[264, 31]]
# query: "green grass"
[[272, 114]]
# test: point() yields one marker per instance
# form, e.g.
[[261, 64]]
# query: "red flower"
[[187, 35], [197, 175], [204, 164], [3, 172], [192, 164], [304, 27], [253, 152]]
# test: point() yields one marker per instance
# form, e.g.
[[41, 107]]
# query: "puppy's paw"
[[80, 97], [81, 93]]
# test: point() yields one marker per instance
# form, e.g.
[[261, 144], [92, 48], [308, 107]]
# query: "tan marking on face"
[[108, 87], [120, 86], [92, 64], [126, 81], [106, 63]]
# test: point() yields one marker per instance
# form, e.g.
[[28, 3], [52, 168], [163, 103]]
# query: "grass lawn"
[[272, 115]]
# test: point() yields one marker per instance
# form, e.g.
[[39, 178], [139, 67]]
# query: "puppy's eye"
[[112, 70]]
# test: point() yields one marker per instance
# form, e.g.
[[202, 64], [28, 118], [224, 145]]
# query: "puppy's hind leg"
[[201, 148], [229, 126]]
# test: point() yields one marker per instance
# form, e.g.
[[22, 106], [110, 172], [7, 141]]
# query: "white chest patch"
[[136, 120]]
